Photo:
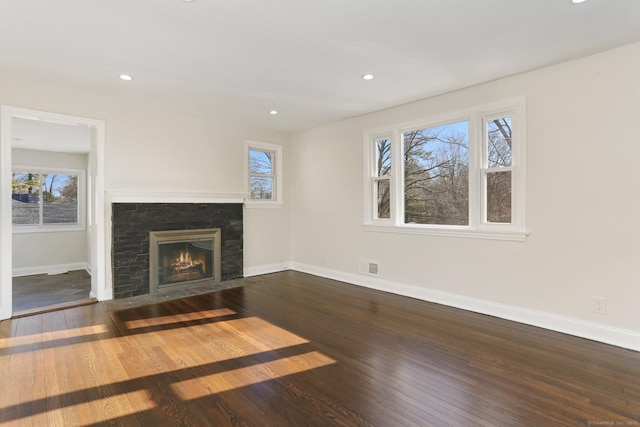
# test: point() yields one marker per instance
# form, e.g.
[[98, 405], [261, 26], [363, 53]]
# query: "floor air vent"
[[369, 267]]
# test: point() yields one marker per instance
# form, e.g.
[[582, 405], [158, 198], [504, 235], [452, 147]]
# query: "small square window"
[[261, 176], [264, 174]]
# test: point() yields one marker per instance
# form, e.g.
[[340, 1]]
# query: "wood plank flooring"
[[291, 349], [43, 292]]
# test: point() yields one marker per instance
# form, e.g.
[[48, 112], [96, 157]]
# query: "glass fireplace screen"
[[186, 261], [183, 256]]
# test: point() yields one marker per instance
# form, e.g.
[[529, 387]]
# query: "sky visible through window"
[[450, 131], [260, 162], [261, 179], [436, 174]]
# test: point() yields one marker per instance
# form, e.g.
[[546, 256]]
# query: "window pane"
[[261, 162], [499, 197], [382, 190], [60, 199], [25, 199], [261, 188], [499, 142], [383, 157], [436, 172]]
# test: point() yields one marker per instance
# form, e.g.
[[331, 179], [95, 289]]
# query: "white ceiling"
[[46, 136], [238, 59]]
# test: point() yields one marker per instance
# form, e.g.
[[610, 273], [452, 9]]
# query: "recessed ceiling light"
[[126, 77], [273, 112], [577, 1], [367, 76]]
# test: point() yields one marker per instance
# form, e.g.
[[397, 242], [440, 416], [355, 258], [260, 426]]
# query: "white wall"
[[35, 253], [160, 145], [582, 206]]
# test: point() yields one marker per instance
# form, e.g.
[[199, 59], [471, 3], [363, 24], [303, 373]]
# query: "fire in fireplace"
[[183, 256], [185, 261]]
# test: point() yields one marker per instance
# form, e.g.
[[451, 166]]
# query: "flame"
[[185, 261], [185, 258]]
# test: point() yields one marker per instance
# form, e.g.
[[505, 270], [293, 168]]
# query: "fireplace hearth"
[[183, 256]]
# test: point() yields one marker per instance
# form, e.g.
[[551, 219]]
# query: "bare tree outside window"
[[498, 179], [261, 174], [462, 176], [60, 201], [436, 175], [69, 192], [383, 172], [44, 198]]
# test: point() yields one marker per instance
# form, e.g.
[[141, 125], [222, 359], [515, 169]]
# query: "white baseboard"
[[51, 269], [265, 269], [594, 331]]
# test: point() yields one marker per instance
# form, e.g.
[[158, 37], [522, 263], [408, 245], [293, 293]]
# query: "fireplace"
[[183, 256], [133, 223]]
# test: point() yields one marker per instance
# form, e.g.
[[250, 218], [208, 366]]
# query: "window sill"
[[464, 232], [47, 229]]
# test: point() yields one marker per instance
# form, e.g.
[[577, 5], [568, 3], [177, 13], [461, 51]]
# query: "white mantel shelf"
[[140, 196]]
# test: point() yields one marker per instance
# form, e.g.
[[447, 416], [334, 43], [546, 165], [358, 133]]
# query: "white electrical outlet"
[[599, 305]]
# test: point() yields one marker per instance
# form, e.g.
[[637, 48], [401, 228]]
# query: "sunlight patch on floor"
[[43, 337], [241, 377], [166, 353]]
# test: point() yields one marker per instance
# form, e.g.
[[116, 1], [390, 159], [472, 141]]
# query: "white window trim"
[[477, 228], [82, 202], [371, 170], [278, 201]]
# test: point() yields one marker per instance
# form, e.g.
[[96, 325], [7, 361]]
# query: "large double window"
[[458, 175], [46, 199]]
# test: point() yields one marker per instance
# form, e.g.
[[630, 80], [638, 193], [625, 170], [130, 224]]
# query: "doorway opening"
[[52, 224]]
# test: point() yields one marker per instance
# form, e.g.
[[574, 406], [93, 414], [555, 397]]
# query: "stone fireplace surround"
[[132, 222]]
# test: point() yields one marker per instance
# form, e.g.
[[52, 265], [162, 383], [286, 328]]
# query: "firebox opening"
[[185, 261], [183, 256]]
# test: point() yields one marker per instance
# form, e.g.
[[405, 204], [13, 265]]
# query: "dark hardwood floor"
[[43, 292], [291, 349]]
